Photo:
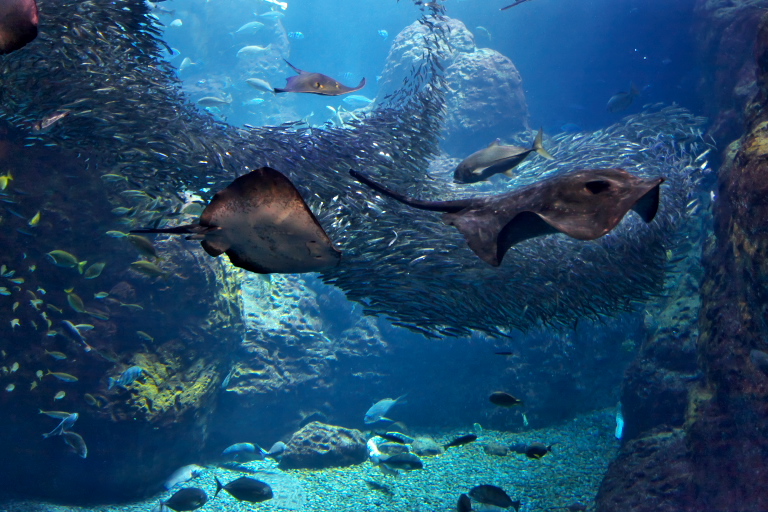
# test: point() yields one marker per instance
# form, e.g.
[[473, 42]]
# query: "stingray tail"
[[538, 145], [434, 206], [186, 229]]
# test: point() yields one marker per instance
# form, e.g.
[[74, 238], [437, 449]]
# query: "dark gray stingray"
[[316, 83], [262, 223], [18, 24], [584, 204]]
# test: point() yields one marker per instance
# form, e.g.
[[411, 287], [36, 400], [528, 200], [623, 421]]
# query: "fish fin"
[[276, 90], [648, 205], [497, 142], [360, 85], [538, 145], [219, 487], [297, 70]]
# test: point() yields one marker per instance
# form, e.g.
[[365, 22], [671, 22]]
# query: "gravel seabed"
[[582, 450]]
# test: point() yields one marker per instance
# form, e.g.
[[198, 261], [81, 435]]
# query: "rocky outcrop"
[[486, 98], [716, 459], [167, 319], [318, 446], [725, 32]]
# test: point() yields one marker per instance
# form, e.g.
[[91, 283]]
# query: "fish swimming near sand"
[[246, 489], [402, 461], [461, 441], [262, 223], [495, 159], [380, 409], [183, 474], [492, 495], [583, 204], [18, 24], [244, 452], [316, 83], [190, 498]]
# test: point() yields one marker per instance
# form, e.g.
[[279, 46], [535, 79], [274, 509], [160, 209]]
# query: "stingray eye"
[[318, 85], [597, 186]]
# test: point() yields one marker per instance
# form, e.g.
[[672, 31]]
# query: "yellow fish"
[[34, 220], [94, 270], [74, 300], [4, 180], [63, 258]]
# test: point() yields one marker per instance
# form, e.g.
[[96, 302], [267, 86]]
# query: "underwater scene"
[[384, 255]]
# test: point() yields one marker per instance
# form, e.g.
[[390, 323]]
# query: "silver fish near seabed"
[[183, 474], [380, 409]]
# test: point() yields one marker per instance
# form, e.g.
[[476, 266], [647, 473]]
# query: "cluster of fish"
[[395, 258], [242, 489], [72, 439]]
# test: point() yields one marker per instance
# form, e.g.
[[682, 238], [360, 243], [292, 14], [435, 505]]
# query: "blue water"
[[573, 55]]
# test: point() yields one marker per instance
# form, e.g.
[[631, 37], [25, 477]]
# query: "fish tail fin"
[[218, 486], [538, 145], [178, 230]]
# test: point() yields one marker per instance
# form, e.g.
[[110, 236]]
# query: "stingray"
[[316, 83], [18, 24], [262, 223], [496, 159], [583, 204]]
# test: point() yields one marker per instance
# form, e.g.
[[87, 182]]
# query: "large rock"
[[486, 98], [716, 461], [725, 32], [318, 446]]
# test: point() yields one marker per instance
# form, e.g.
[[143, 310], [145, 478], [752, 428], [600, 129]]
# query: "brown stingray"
[[316, 83], [584, 204], [18, 24], [261, 222]]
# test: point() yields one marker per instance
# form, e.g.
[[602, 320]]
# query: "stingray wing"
[[584, 205], [346, 90], [266, 227], [18, 24]]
